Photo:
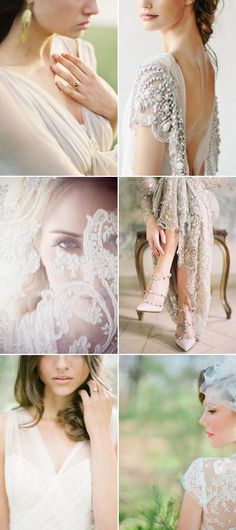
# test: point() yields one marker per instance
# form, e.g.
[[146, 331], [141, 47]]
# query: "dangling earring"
[[26, 18]]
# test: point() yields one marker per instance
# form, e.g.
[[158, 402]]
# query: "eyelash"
[[61, 243], [212, 411]]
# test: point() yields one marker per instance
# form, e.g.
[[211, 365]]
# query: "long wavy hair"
[[205, 11], [205, 15], [29, 392]]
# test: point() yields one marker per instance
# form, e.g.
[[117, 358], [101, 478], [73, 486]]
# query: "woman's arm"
[[4, 516], [149, 152], [190, 515], [97, 416]]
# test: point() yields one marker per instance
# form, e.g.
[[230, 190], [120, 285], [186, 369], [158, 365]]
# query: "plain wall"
[[137, 45]]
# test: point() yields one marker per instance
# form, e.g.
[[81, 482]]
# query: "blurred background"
[[159, 431], [8, 368], [103, 36]]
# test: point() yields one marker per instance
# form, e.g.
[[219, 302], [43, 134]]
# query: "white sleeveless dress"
[[40, 136], [212, 484], [158, 100], [39, 497]]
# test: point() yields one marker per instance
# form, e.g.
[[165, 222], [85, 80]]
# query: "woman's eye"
[[68, 244], [212, 411]]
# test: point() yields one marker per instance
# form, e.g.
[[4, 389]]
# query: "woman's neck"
[[184, 38], [52, 405], [35, 51]]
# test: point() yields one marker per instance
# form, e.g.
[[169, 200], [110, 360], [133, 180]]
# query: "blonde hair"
[[33, 203]]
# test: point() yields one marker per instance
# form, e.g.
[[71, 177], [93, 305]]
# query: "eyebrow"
[[66, 233]]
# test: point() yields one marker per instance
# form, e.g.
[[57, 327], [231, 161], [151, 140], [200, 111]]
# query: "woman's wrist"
[[111, 113], [100, 436]]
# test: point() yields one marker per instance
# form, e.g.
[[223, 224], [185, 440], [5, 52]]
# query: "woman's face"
[[219, 423], [64, 17], [63, 227], [162, 14], [63, 374]]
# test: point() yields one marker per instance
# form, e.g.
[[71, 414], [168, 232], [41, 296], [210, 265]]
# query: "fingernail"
[[53, 67], [55, 55]]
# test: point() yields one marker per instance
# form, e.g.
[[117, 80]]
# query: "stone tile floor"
[[155, 334]]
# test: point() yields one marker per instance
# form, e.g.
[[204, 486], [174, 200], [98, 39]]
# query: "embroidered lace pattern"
[[80, 316], [212, 483], [155, 104], [184, 203]]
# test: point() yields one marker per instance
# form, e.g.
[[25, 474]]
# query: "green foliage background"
[[8, 365], [159, 431], [104, 40]]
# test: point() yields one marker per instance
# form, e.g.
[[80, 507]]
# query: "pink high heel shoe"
[[183, 340], [154, 297]]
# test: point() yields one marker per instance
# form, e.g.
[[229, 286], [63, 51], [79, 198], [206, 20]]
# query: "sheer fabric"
[[212, 484], [38, 495], [42, 137], [78, 316], [187, 204], [158, 101]]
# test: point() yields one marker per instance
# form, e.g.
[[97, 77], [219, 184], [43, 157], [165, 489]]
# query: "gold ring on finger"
[[76, 85]]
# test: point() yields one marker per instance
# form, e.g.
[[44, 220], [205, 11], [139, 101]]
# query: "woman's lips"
[[62, 379], [210, 434], [84, 25], [148, 17]]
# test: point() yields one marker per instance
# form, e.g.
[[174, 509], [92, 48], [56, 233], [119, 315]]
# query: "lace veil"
[[58, 288], [219, 383]]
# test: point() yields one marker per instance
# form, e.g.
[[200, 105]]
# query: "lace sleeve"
[[146, 187], [155, 101], [211, 166], [213, 182], [194, 481]]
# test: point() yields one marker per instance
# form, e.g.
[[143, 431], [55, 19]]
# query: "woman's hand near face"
[[156, 236], [97, 409], [91, 90]]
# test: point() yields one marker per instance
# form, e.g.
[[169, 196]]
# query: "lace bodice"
[[158, 101], [38, 496], [212, 484]]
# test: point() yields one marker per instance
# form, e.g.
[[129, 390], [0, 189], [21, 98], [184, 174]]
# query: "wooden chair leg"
[[140, 247], [225, 275]]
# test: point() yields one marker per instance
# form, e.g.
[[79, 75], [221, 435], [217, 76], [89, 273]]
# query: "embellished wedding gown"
[[40, 136], [187, 204], [158, 100], [39, 496], [80, 315], [212, 484]]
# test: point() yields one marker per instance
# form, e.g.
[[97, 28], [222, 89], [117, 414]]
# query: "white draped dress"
[[39, 497], [40, 136]]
